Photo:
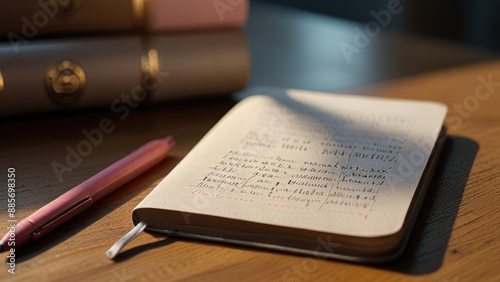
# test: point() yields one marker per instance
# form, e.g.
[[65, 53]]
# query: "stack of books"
[[65, 55]]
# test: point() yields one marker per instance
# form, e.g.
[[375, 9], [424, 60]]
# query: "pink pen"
[[84, 195]]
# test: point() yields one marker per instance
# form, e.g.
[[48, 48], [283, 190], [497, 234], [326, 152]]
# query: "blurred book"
[[27, 19], [119, 71], [65, 55]]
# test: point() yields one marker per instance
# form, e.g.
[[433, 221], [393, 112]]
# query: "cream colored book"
[[326, 175]]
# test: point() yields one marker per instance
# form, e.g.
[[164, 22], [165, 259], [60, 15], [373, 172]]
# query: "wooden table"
[[455, 239], [456, 235]]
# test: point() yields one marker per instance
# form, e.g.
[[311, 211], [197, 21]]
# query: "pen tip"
[[170, 140]]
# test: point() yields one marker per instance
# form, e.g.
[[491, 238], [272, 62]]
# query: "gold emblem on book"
[[67, 8], [65, 82], [150, 67], [140, 12], [1, 84]]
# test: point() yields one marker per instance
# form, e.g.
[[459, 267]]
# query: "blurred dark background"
[[469, 22]]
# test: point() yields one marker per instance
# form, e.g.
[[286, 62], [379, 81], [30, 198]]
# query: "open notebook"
[[327, 175]]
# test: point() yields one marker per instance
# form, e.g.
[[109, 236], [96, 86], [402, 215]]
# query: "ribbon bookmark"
[[131, 235]]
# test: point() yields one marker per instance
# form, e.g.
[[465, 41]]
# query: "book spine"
[[28, 19], [196, 14], [66, 74]]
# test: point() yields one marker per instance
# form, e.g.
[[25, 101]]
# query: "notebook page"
[[334, 163]]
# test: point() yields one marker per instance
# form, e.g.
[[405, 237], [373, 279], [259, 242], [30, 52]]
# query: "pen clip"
[[62, 217]]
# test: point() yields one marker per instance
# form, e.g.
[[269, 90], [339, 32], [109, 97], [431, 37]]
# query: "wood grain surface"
[[455, 238]]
